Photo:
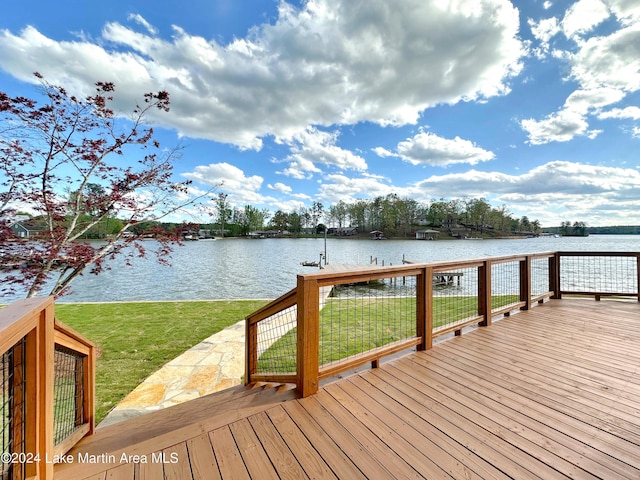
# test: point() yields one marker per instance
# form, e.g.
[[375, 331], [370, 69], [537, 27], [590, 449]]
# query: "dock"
[[441, 279]]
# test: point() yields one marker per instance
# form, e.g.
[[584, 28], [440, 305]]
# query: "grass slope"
[[135, 339]]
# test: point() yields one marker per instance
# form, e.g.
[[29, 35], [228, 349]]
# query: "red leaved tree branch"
[[74, 165]]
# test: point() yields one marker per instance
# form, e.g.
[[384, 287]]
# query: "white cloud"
[[554, 178], [280, 187], [558, 127], [627, 11], [544, 31], [559, 188], [606, 67], [341, 187], [313, 147], [628, 112], [582, 101], [231, 180], [429, 149], [609, 61], [139, 19], [583, 16], [329, 62]]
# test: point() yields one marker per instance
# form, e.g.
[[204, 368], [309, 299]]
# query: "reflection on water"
[[267, 268]]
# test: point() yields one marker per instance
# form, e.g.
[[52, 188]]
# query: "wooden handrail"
[[30, 326]]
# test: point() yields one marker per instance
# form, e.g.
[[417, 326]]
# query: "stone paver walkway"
[[215, 364]]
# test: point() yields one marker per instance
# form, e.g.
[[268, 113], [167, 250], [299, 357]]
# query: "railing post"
[[424, 313], [554, 275], [251, 349], [525, 282], [638, 275], [308, 336], [484, 293], [43, 369]]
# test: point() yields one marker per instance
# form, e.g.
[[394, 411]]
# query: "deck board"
[[202, 459], [553, 392]]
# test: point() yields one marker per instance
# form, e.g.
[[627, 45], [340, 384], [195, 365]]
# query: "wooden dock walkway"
[[553, 392]]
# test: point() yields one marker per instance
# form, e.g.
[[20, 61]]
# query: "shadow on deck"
[[552, 392]]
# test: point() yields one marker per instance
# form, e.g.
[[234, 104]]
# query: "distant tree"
[[280, 220], [580, 229], [535, 227], [357, 215], [565, 228], [223, 211], [251, 219], [317, 210], [338, 214], [437, 212], [294, 226], [74, 165]]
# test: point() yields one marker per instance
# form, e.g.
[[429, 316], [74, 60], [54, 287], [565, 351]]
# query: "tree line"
[[392, 214]]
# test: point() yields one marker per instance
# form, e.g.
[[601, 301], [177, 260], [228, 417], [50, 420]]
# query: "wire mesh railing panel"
[[455, 296], [12, 412], [539, 277], [599, 274], [277, 342], [358, 318], [505, 285], [68, 392]]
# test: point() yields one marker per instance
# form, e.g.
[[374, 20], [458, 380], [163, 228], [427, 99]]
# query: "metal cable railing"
[[12, 413], [361, 317], [373, 312], [455, 297], [598, 274], [506, 285], [68, 392]]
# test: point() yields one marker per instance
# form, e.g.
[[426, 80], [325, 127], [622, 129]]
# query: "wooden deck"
[[553, 392]]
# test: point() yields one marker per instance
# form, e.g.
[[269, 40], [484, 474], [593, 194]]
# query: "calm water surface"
[[242, 268]]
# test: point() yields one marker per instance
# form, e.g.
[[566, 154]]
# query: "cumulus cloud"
[[427, 148], [606, 67], [313, 147], [583, 16], [558, 127], [567, 189], [328, 62], [554, 178], [628, 112], [543, 31], [231, 180], [341, 187], [280, 187]]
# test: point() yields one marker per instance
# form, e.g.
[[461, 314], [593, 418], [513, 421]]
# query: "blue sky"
[[533, 104]]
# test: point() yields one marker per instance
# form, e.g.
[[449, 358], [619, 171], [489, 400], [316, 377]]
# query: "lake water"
[[242, 268]]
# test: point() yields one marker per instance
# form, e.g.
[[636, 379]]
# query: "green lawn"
[[350, 326], [135, 339]]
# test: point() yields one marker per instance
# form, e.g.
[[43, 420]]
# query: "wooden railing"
[[45, 410], [444, 297], [610, 274]]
